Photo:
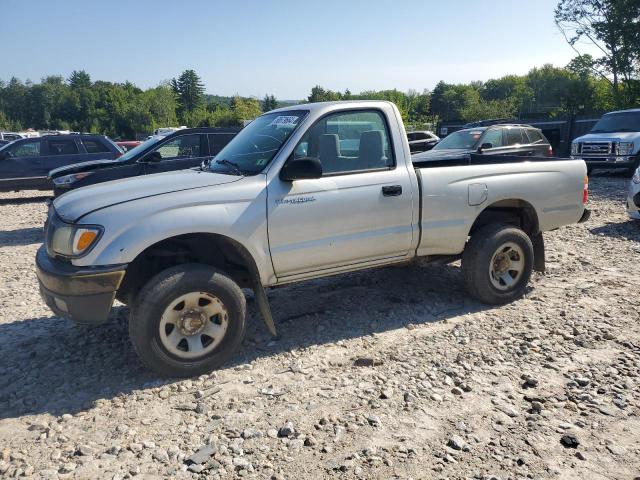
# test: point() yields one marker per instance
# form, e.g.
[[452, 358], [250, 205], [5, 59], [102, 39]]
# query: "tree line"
[[586, 85]]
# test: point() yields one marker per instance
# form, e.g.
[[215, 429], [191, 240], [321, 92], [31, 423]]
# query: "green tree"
[[245, 109], [190, 92], [269, 103], [613, 28], [79, 79]]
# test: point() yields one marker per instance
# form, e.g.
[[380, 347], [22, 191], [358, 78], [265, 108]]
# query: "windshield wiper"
[[234, 166]]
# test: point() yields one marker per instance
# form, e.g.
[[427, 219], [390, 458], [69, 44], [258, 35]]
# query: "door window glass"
[[94, 146], [62, 146], [494, 137], [514, 136], [25, 149], [535, 136], [348, 142], [184, 146]]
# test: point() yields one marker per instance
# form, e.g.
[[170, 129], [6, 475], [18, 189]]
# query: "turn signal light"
[[84, 240]]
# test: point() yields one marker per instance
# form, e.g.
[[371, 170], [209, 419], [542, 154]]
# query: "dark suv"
[[182, 149], [421, 141], [25, 163], [511, 139]]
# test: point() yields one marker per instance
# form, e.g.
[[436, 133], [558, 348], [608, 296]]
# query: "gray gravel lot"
[[389, 373]]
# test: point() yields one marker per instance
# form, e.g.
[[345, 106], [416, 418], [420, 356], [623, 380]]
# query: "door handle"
[[392, 190]]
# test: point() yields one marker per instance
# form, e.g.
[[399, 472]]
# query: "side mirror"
[[301, 169], [153, 157], [484, 146]]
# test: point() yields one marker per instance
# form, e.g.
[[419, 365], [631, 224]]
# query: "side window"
[[184, 146], [494, 137], [217, 141], [535, 136], [514, 137], [62, 146], [25, 149], [348, 142], [94, 146]]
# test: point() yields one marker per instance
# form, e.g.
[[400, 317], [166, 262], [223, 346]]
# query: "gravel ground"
[[389, 373]]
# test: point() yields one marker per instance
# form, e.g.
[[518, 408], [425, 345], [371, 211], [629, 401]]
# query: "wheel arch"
[[519, 213], [218, 250]]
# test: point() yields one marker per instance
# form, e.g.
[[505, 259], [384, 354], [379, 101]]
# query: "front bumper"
[[82, 294], [610, 161]]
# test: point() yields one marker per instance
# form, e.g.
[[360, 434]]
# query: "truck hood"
[[608, 137], [83, 167], [77, 203], [444, 154]]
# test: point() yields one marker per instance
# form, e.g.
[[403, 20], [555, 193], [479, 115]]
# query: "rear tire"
[[497, 264], [187, 320]]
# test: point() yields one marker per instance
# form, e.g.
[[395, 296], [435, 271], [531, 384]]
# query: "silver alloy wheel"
[[193, 324], [507, 266]]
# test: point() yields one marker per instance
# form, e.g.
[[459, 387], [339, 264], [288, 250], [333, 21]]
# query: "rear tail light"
[[550, 151], [585, 190]]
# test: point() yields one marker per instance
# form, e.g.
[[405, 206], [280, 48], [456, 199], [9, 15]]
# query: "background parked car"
[[613, 142], [422, 141], [182, 149], [513, 139], [10, 136], [127, 145], [25, 163]]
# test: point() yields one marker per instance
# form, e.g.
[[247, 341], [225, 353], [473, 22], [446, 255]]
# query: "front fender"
[[132, 227]]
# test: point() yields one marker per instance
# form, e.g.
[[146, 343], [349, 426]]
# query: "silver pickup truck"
[[300, 193]]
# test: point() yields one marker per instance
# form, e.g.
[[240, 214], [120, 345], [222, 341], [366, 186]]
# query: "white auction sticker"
[[284, 120]]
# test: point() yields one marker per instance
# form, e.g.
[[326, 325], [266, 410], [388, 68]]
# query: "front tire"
[[187, 320], [497, 264]]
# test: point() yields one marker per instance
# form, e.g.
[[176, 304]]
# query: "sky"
[[280, 47]]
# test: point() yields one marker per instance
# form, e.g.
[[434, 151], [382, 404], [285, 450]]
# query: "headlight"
[[69, 179], [575, 148], [636, 176], [624, 148], [71, 240]]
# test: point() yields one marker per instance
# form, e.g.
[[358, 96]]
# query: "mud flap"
[[538, 252], [265, 309]]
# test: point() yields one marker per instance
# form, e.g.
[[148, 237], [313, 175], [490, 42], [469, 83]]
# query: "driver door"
[[359, 211], [178, 153]]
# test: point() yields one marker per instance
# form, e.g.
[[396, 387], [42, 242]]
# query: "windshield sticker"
[[284, 121]]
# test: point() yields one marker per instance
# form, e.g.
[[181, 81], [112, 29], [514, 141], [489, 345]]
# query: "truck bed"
[[453, 196]]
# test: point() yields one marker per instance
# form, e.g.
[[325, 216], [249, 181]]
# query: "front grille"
[[596, 148]]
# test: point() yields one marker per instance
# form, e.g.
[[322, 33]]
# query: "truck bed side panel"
[[554, 189]]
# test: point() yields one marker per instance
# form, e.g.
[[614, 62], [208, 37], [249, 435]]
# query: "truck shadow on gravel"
[[629, 230], [22, 236], [24, 200], [52, 366]]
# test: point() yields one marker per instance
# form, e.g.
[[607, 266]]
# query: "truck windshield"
[[462, 140], [257, 143], [618, 122]]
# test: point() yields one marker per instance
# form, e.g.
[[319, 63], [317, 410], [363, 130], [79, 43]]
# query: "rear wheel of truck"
[[187, 320], [497, 264]]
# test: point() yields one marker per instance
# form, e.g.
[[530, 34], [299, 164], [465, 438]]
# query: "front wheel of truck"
[[497, 264], [187, 320]]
